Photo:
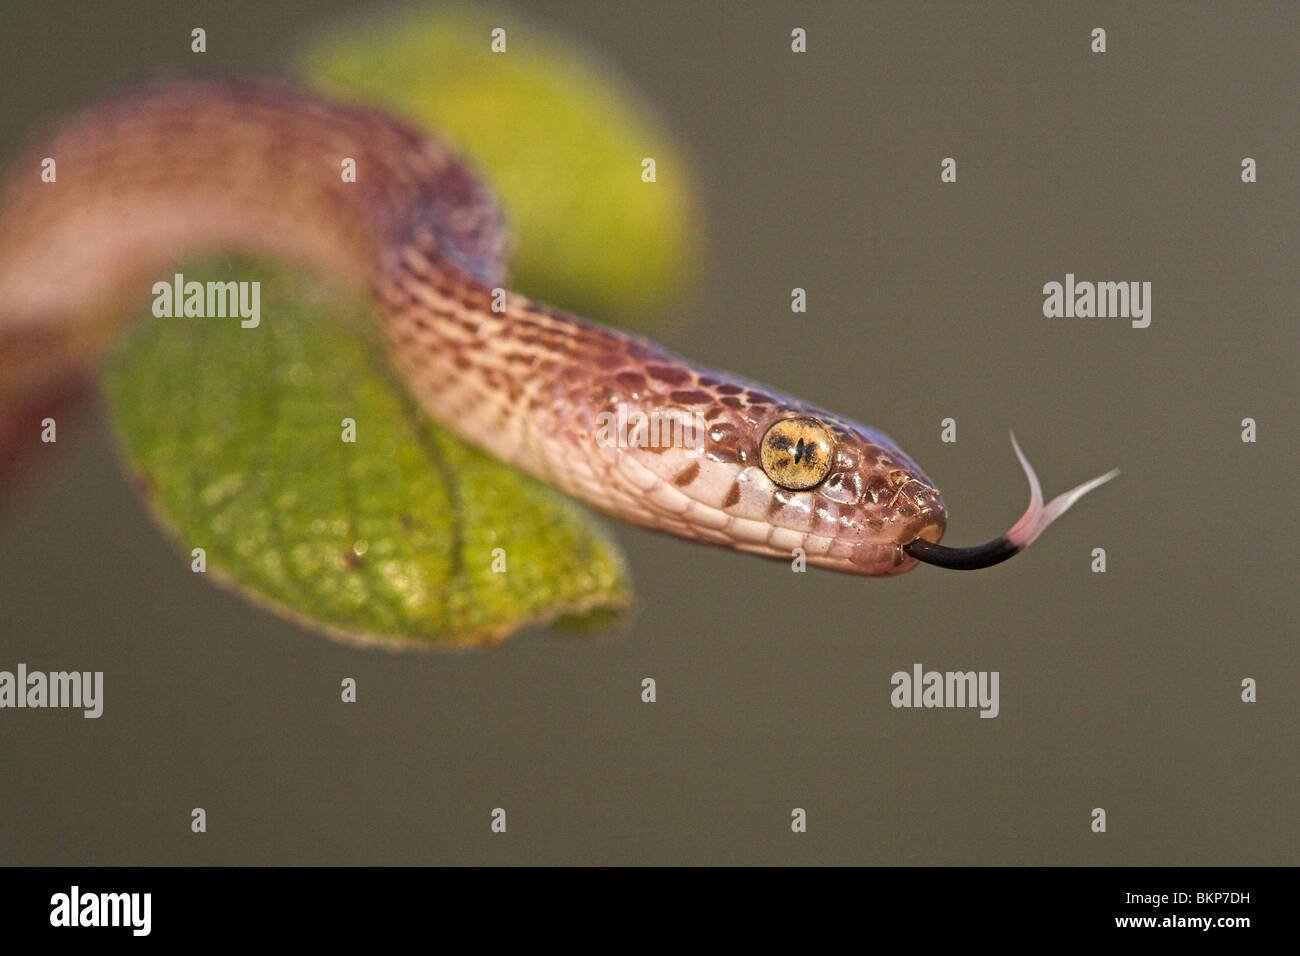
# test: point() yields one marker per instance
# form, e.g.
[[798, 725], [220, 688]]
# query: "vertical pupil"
[[798, 451]]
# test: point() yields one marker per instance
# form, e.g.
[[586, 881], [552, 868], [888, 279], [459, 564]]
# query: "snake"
[[631, 429]]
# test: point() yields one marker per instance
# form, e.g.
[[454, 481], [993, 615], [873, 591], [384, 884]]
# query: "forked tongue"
[[1022, 534]]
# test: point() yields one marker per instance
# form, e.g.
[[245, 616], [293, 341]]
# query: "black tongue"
[[962, 559]]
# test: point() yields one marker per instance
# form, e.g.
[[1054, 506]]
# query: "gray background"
[[1118, 690]]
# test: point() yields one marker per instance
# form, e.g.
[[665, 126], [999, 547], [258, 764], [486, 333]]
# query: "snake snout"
[[918, 507], [930, 523], [932, 530]]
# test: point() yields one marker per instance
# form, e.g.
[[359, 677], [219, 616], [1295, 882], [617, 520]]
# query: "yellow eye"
[[796, 452]]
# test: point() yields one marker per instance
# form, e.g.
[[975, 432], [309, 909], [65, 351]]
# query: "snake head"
[[783, 479], [855, 497]]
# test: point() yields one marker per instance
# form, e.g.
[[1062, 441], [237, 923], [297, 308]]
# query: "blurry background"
[[1118, 690]]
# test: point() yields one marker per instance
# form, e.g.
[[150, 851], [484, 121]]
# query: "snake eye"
[[796, 452]]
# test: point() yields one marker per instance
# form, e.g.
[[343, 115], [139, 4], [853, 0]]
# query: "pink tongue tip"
[[1037, 517]]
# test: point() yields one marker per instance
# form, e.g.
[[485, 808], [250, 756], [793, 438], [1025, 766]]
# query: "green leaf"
[[236, 436], [556, 135]]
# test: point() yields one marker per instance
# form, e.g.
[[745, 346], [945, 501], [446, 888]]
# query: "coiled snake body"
[[199, 166]]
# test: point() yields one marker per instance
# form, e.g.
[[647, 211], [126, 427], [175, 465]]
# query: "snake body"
[[191, 167]]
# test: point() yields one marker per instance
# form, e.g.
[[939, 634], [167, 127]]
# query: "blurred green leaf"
[[236, 436], [554, 132]]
